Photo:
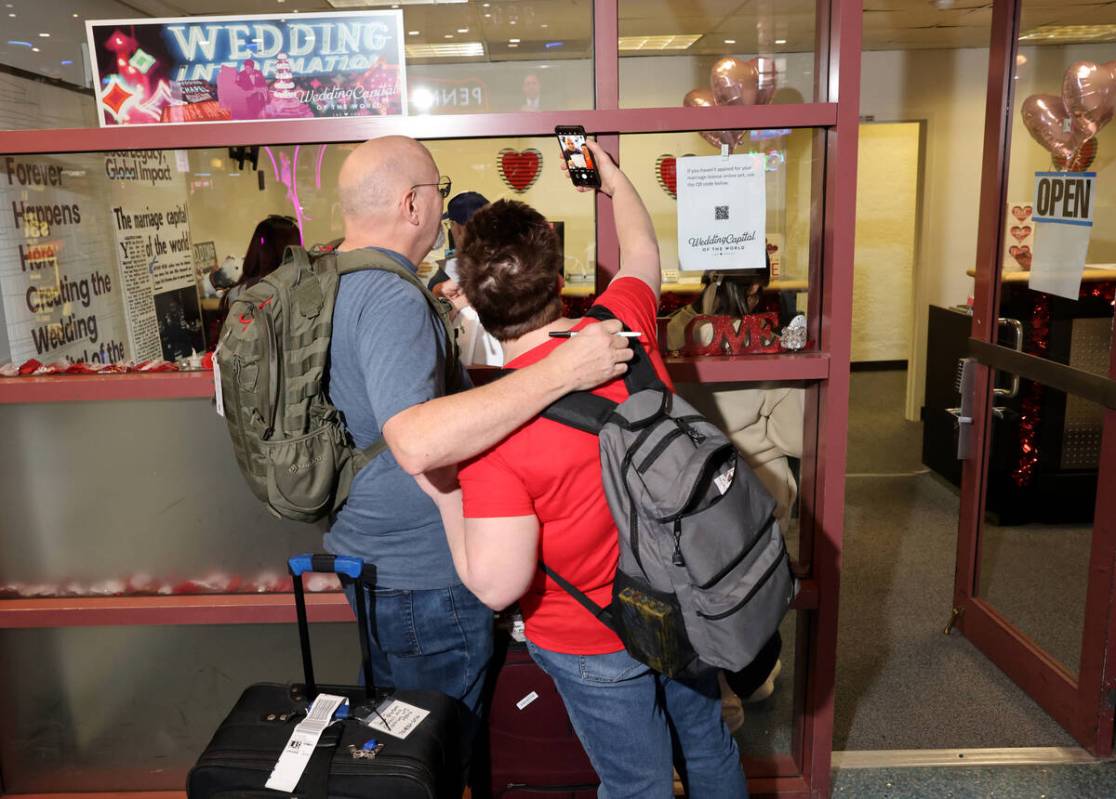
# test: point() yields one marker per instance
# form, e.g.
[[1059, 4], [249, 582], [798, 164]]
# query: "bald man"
[[387, 375]]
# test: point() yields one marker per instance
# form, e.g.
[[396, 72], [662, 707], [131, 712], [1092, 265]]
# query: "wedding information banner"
[[58, 280], [722, 212], [236, 68]]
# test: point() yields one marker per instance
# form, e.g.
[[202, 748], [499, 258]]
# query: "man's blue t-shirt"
[[387, 354]]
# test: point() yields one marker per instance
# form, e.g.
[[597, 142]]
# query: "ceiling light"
[[44, 35], [544, 25], [449, 36], [12, 14], [780, 41], [512, 22], [513, 41], [1071, 33], [488, 16], [67, 62], [513, 45], [34, 49], [412, 33], [462, 30], [75, 16], [667, 42], [454, 50], [730, 41]]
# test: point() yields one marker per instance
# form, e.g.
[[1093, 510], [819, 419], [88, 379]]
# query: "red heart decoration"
[[1020, 232], [666, 171], [772, 247], [1022, 256], [1027, 211], [519, 169], [1018, 212]]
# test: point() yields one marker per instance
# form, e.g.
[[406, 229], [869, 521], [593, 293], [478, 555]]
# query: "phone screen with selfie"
[[579, 159]]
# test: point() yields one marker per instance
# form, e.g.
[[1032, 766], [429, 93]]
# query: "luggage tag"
[[296, 754], [396, 718], [220, 400]]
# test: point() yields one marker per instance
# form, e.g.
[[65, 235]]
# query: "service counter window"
[[123, 256], [298, 60], [675, 53]]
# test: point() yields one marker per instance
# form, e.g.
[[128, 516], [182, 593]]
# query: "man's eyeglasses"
[[444, 186]]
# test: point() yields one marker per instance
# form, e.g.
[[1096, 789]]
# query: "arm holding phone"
[[639, 249]]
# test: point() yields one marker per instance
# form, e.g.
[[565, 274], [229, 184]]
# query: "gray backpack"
[[704, 578]]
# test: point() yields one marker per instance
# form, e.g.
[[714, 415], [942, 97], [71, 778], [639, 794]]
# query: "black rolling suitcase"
[[344, 765]]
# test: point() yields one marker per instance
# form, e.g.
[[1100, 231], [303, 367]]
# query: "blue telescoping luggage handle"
[[337, 564], [361, 574]]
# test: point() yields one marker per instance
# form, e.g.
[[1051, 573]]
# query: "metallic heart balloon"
[[1088, 91], [703, 98], [735, 81], [1051, 125]]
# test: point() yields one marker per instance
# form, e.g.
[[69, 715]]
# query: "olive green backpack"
[[272, 367]]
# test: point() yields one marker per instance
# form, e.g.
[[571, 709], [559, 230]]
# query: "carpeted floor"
[[1078, 781], [901, 683]]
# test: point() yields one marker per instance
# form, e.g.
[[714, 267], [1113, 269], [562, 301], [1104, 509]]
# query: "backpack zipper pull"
[[678, 560]]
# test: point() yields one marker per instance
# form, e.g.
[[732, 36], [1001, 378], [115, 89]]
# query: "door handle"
[[1017, 328]]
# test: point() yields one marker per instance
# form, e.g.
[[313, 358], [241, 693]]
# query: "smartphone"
[[579, 160]]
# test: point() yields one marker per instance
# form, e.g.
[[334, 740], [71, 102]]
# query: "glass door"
[[1036, 410]]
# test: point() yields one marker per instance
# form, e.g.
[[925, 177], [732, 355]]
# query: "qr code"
[[720, 212]]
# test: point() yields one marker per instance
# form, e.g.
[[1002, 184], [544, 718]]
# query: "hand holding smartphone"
[[579, 159]]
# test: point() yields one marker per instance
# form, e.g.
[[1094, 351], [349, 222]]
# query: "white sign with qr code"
[[722, 212], [397, 719]]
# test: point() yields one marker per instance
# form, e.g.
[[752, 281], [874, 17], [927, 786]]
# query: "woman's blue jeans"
[[625, 715]]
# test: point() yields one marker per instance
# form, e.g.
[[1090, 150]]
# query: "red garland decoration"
[[1038, 343]]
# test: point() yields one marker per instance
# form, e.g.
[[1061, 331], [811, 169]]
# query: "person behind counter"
[[269, 241], [538, 495]]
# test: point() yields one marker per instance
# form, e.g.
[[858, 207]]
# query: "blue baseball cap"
[[461, 207]]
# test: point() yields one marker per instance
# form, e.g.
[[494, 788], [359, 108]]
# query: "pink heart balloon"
[[1051, 125], [703, 98], [1087, 92], [735, 81]]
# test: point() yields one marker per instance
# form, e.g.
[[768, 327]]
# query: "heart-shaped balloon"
[[735, 81], [666, 172], [1081, 160], [703, 98], [1088, 91], [1052, 126], [765, 82]]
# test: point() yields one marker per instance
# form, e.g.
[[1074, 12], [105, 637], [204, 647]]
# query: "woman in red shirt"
[[538, 496]]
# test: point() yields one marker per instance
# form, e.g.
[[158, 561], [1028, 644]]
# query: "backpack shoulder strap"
[[603, 615], [581, 410], [641, 374], [370, 258]]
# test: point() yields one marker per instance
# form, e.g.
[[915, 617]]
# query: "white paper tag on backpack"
[[724, 481], [296, 754], [217, 385]]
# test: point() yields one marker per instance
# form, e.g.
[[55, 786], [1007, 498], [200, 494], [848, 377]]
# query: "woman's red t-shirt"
[[553, 472]]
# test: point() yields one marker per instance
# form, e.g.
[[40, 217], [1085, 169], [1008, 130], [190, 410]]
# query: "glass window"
[[670, 49], [111, 252], [1065, 96], [460, 58], [651, 162]]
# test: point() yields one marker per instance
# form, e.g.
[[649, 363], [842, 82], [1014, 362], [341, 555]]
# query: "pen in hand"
[[572, 333]]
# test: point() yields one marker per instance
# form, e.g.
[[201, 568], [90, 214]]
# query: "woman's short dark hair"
[[509, 268], [734, 288]]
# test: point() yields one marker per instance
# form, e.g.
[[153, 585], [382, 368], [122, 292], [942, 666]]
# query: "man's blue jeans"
[[624, 714], [435, 640]]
